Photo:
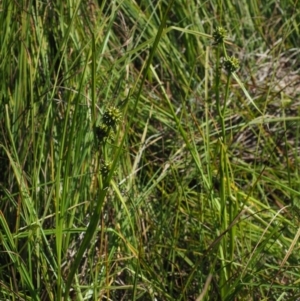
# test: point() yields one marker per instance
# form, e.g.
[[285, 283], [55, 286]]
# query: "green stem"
[[222, 192]]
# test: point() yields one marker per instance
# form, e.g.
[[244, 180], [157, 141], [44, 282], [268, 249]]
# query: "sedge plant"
[[136, 163], [228, 206]]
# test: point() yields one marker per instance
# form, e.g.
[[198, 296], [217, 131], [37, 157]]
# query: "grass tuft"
[[149, 150]]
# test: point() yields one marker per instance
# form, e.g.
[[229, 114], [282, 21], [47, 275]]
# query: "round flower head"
[[102, 132], [219, 35], [231, 64], [105, 168], [112, 116]]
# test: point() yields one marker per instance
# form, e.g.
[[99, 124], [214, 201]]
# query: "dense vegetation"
[[149, 150]]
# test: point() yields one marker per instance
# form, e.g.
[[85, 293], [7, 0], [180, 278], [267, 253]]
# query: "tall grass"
[[137, 163]]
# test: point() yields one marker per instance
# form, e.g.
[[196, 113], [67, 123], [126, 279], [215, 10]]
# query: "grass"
[[137, 163]]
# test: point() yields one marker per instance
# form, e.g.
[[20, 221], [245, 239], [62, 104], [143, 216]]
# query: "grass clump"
[[148, 153]]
